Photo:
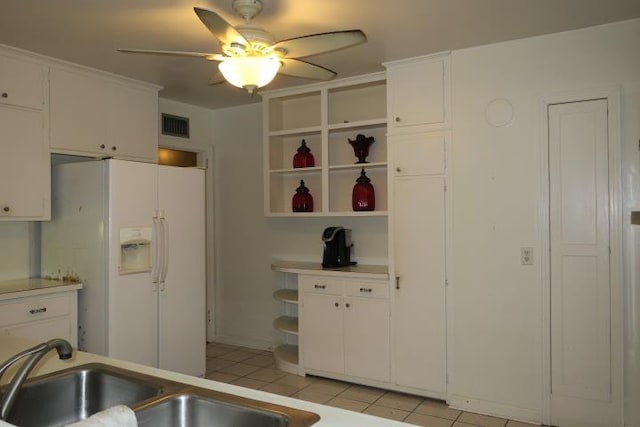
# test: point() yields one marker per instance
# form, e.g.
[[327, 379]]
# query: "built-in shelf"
[[286, 356], [286, 295], [288, 324]]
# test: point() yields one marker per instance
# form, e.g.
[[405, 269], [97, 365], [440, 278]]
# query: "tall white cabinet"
[[418, 138]]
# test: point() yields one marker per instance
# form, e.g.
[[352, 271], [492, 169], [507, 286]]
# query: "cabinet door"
[[37, 332], [416, 93], [366, 338], [419, 246], [24, 165], [21, 83], [322, 336], [418, 154], [77, 113]]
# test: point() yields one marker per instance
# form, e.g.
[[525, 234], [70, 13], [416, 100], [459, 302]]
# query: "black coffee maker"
[[337, 247]]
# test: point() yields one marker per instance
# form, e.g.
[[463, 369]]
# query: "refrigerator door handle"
[[155, 262], [165, 252]]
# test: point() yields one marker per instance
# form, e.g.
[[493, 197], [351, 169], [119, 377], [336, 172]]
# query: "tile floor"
[[256, 369]]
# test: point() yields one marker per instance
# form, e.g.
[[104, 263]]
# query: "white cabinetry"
[[24, 164], [42, 317], [345, 327], [286, 354], [418, 92], [325, 116], [99, 116], [419, 100]]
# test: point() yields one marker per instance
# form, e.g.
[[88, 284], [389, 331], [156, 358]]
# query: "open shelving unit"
[[286, 354], [326, 116]]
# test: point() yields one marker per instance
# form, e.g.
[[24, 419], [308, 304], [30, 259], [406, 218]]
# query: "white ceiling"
[[88, 32]]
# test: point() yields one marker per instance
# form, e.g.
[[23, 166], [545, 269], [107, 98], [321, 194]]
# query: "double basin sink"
[[76, 393]]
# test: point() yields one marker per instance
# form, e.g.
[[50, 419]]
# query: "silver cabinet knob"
[[397, 119], [102, 146], [6, 209], [348, 305], [337, 304], [5, 95], [114, 148], [398, 169]]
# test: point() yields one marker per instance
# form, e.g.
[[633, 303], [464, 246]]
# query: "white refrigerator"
[[134, 234]]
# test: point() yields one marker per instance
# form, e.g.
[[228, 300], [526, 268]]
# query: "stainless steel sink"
[[207, 408], [74, 394]]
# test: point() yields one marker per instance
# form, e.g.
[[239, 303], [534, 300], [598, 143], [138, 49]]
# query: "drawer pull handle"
[[38, 310], [319, 286], [366, 290]]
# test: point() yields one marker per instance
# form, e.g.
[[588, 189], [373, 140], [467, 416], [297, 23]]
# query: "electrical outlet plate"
[[526, 256]]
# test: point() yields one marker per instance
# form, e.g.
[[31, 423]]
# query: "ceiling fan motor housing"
[[248, 9]]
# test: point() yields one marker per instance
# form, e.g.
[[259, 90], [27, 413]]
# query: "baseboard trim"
[[244, 342], [485, 407]]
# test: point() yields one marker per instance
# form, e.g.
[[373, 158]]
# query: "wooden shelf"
[[287, 324], [289, 296]]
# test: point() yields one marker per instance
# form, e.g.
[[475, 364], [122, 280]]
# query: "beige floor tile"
[[282, 389], [362, 393], [437, 408], [249, 383], [389, 413], [223, 378], [267, 374], [512, 423], [481, 420], [405, 402], [216, 364], [263, 360], [427, 420], [313, 396], [348, 404], [237, 355], [214, 351], [239, 369], [326, 386], [296, 380]]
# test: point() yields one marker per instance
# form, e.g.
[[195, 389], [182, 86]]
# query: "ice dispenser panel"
[[135, 250]]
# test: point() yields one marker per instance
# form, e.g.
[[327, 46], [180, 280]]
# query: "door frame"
[[612, 96], [206, 161]]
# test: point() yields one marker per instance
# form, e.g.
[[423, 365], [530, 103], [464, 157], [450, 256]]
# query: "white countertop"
[[29, 287], [315, 268], [329, 417]]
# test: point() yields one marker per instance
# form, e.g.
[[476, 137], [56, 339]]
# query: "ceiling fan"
[[250, 56]]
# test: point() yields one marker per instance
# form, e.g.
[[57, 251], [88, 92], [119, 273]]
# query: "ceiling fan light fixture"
[[250, 72]]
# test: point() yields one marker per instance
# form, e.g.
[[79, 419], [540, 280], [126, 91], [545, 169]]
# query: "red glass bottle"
[[303, 158], [363, 197], [303, 200]]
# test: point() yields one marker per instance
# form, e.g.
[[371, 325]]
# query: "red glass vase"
[[363, 197], [302, 201], [303, 158]]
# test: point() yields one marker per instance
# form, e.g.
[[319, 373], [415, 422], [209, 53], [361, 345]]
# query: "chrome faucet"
[[34, 355]]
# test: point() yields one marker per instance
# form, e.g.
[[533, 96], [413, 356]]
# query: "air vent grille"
[[175, 125]]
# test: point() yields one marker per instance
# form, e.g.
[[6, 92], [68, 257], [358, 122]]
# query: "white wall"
[[247, 241], [496, 172], [15, 238]]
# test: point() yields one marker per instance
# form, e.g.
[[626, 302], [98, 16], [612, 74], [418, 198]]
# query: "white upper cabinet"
[[418, 94], [326, 116], [24, 164], [21, 83], [419, 154], [93, 115]]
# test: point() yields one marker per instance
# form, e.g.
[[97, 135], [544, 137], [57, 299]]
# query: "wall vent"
[[175, 125]]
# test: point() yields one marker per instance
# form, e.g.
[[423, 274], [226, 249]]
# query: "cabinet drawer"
[[34, 308], [21, 83], [322, 285], [364, 288]]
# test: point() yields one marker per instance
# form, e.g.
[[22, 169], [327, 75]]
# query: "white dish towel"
[[116, 416]]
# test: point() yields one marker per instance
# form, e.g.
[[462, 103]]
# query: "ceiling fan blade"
[[216, 78], [169, 53], [306, 70], [220, 28], [314, 44]]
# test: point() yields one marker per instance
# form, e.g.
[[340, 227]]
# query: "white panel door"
[[322, 334], [581, 365], [182, 315], [366, 338], [419, 314], [133, 298]]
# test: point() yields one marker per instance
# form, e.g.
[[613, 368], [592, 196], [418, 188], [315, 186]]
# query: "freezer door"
[[182, 318], [133, 298]]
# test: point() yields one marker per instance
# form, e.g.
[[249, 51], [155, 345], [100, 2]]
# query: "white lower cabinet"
[[41, 318], [345, 327]]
